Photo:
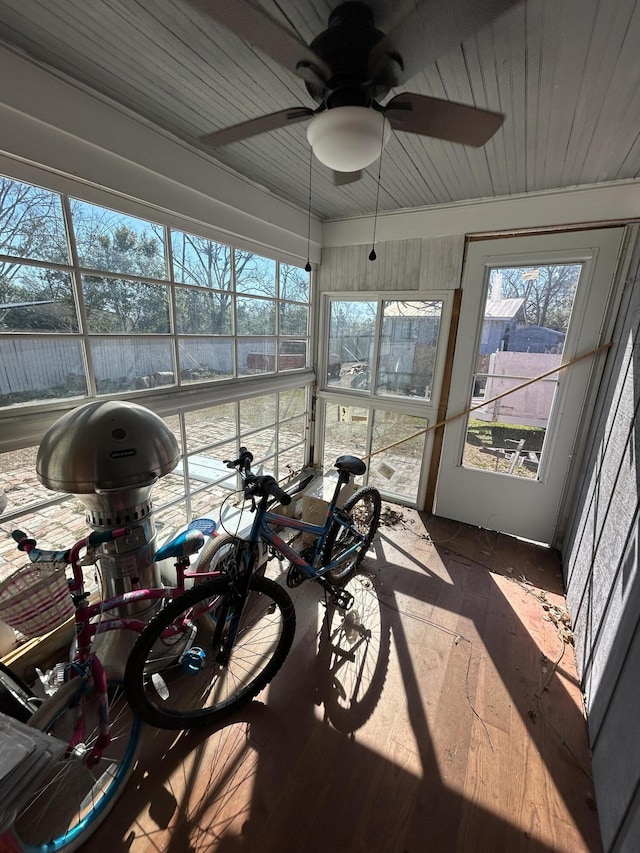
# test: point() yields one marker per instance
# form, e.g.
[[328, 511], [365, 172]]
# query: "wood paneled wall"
[[603, 585], [426, 264]]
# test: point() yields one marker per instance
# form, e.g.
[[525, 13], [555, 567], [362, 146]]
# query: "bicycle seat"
[[351, 464], [183, 545]]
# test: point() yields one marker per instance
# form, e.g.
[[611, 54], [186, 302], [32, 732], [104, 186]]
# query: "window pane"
[[202, 312], [351, 334], [203, 359], [345, 431], [35, 299], [291, 461], [255, 274], [408, 344], [294, 319], [33, 369], [293, 402], [294, 283], [256, 316], [525, 322], [128, 365], [206, 503], [256, 355], [292, 355], [292, 432], [114, 242], [262, 444], [31, 225], [397, 470], [257, 412], [171, 486], [169, 519], [197, 260], [173, 422], [125, 307], [209, 425], [19, 481], [209, 467]]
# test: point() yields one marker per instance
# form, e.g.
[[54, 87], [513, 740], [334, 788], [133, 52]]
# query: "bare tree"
[[547, 290], [31, 226]]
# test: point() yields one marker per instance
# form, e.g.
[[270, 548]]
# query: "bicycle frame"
[[260, 530], [85, 661]]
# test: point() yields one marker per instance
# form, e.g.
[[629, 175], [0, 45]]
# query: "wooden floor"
[[451, 722]]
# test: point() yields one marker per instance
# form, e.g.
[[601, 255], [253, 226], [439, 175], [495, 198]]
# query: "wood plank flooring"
[[444, 715]]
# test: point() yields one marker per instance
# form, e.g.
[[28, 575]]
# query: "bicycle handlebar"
[[71, 555], [260, 485], [37, 555], [267, 485], [242, 463]]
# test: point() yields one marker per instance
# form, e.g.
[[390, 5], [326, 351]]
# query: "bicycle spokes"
[[235, 651]]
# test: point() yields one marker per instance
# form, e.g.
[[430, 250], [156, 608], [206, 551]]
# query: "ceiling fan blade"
[[342, 178], [254, 126], [442, 119], [431, 31], [255, 26]]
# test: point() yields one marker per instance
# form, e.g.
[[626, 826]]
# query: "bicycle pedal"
[[294, 577], [342, 599]]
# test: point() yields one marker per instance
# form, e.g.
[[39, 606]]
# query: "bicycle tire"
[[364, 508], [221, 554], [218, 554], [72, 799], [211, 691]]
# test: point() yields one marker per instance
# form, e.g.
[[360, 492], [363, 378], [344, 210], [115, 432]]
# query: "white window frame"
[[369, 399]]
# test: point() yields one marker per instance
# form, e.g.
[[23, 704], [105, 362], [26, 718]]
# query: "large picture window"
[[97, 302], [386, 347]]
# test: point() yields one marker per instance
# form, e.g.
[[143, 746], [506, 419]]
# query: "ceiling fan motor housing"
[[345, 47]]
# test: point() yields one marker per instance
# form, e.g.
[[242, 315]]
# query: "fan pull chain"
[[372, 253], [308, 264]]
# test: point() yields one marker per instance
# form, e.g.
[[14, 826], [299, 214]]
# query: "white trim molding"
[[600, 204], [50, 121]]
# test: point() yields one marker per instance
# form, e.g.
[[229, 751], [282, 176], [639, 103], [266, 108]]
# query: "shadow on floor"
[[442, 715]]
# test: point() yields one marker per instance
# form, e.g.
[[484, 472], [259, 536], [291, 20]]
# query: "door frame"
[[598, 250]]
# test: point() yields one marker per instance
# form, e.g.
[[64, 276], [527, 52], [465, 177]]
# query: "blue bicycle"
[[239, 624]]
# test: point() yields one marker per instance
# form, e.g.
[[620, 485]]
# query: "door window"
[[526, 318]]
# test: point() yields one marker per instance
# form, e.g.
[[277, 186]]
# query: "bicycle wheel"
[[222, 554], [194, 688], [353, 655], [363, 508], [73, 798], [218, 555]]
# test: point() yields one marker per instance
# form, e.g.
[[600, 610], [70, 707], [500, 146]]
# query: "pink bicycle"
[[90, 712]]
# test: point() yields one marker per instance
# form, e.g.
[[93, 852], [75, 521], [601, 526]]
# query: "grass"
[[485, 441]]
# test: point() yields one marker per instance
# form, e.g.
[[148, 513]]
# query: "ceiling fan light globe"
[[347, 139]]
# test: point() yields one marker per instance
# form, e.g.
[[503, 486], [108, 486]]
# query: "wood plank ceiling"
[[565, 72]]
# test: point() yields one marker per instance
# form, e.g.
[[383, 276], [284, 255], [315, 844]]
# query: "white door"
[[529, 304]]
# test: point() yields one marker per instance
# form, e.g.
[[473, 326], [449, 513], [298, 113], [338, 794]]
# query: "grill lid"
[[106, 446]]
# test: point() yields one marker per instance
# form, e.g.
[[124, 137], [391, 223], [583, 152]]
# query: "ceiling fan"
[[350, 68]]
